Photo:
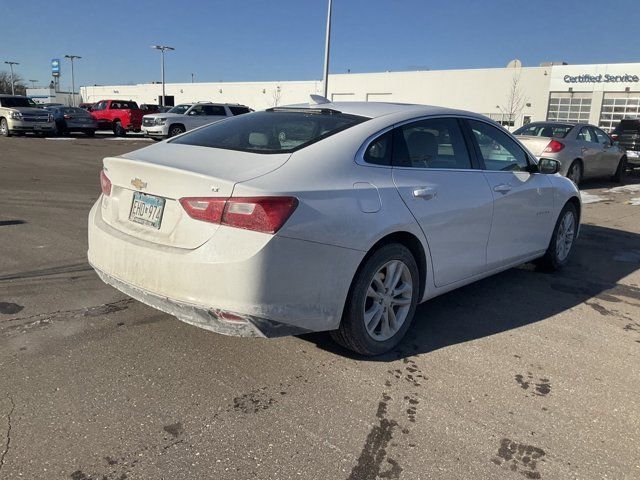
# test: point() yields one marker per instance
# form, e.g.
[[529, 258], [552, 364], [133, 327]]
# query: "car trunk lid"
[[534, 144], [169, 172]]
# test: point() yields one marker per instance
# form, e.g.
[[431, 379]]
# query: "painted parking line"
[[60, 138]]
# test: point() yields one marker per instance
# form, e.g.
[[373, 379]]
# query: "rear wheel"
[[118, 129], [381, 303], [557, 254], [575, 172], [620, 172], [4, 128], [176, 130]]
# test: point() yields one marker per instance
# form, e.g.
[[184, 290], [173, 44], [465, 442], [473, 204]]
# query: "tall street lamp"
[[33, 83], [11, 64], [162, 48], [73, 80], [327, 46]]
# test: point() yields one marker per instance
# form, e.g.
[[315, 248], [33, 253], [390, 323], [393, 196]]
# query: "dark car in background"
[[627, 134], [73, 119], [86, 106]]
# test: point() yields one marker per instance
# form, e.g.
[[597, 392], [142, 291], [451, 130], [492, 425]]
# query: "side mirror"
[[548, 166]]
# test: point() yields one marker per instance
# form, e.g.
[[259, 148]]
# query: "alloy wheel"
[[574, 174], [388, 300], [565, 235]]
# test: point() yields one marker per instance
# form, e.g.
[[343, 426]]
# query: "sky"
[[259, 40]]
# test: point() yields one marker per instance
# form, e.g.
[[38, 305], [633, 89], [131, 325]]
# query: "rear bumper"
[[268, 285]]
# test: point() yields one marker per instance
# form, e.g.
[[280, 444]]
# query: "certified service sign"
[[601, 78], [55, 67]]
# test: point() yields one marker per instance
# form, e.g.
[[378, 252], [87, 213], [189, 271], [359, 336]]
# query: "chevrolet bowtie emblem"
[[139, 184]]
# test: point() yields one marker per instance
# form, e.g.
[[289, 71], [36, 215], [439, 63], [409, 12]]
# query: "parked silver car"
[[187, 116], [19, 115], [583, 150]]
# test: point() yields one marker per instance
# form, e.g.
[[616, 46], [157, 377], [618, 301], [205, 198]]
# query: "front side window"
[[274, 131], [180, 109], [587, 135], [432, 143], [197, 110], [499, 151], [99, 106], [602, 137]]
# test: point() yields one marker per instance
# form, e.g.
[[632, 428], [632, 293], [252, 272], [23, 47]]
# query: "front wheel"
[[176, 130], [4, 128], [618, 176], [381, 303], [564, 234]]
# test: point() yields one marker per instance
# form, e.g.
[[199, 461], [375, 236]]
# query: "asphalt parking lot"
[[522, 375]]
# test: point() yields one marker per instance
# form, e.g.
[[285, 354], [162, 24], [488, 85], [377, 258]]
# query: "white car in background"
[[333, 216], [187, 116]]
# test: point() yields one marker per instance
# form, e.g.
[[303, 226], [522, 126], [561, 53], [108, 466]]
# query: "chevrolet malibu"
[[326, 216]]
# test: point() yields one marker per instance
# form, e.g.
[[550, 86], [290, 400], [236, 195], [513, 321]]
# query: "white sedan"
[[329, 216]]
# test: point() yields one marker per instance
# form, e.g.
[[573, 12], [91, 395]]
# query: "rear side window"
[[587, 135], [379, 151], [277, 131], [215, 110], [433, 143], [239, 110]]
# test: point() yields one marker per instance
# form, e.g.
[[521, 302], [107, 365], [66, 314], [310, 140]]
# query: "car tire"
[[4, 128], [176, 130], [575, 172], [618, 176], [372, 295], [556, 256], [118, 130]]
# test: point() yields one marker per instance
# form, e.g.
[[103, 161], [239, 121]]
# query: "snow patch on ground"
[[634, 201], [591, 198], [60, 138], [625, 189]]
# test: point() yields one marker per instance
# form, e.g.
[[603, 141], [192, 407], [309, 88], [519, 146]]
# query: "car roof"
[[380, 109]]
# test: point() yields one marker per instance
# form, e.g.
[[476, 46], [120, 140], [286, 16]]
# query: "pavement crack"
[[8, 442]]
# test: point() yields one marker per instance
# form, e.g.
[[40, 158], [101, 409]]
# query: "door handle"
[[502, 188], [425, 193]]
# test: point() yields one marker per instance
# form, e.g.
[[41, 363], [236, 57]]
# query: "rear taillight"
[[260, 214], [105, 183], [614, 137], [554, 147]]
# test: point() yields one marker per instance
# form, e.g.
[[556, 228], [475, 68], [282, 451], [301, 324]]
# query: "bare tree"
[[516, 100], [276, 96], [18, 83]]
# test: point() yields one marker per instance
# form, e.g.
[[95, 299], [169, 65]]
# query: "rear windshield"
[[14, 102], [544, 130], [277, 131]]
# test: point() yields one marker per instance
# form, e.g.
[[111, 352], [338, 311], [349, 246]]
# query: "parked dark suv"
[[627, 133]]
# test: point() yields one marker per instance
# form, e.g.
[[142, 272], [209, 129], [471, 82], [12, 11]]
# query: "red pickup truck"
[[121, 116]]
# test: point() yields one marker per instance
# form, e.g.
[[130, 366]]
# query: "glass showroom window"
[[569, 107], [616, 106]]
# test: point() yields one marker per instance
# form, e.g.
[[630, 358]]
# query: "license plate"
[[147, 209]]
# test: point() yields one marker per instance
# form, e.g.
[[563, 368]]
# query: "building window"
[[616, 106], [569, 107]]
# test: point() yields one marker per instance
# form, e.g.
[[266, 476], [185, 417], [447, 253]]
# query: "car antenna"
[[318, 99]]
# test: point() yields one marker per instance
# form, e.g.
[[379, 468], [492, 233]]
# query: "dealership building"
[[598, 94]]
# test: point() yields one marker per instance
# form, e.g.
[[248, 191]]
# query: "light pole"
[[162, 48], [33, 83], [327, 47], [11, 64], [73, 80]]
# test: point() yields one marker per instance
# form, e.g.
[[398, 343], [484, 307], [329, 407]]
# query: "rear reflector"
[[105, 183], [553, 147], [260, 214]]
